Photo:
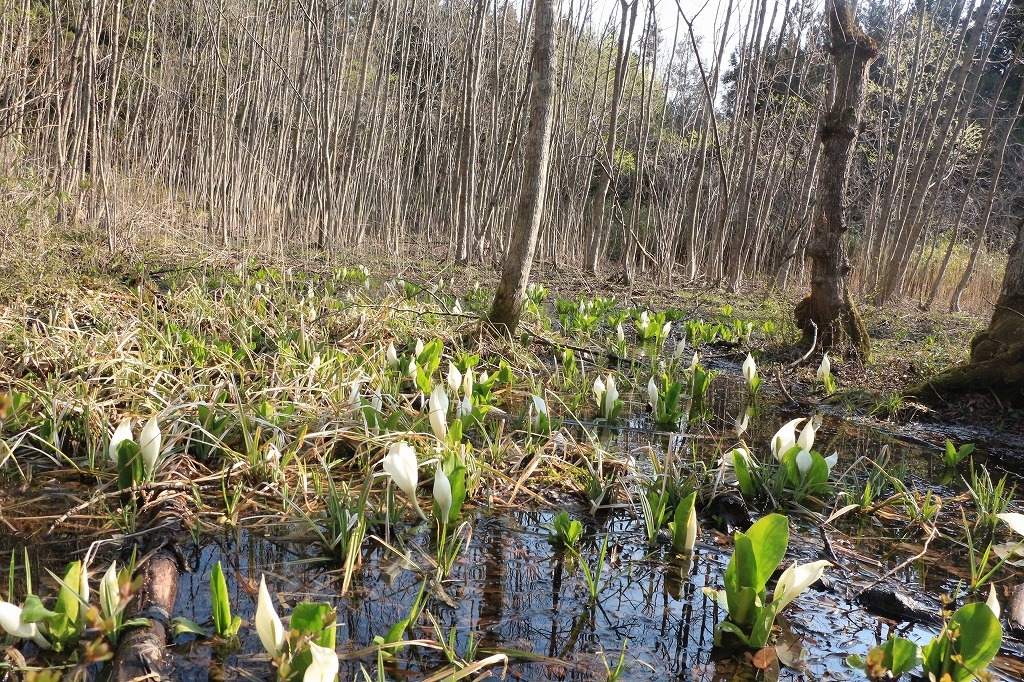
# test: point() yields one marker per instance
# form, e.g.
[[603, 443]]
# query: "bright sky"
[[707, 16]]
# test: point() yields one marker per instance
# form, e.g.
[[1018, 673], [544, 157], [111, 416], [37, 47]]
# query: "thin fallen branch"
[[101, 496], [785, 391], [157, 486], [903, 564]]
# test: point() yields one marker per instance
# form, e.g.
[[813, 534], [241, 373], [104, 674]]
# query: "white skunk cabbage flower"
[[803, 462], [611, 394], [110, 592], [419, 347], [1014, 520], [12, 623], [442, 494], [691, 529], [677, 352], [750, 370], [619, 334], [454, 378], [599, 391], [400, 463], [467, 383], [993, 600], [824, 369], [666, 329], [694, 362], [149, 444], [652, 394], [353, 395], [806, 439], [741, 452], [539, 408], [832, 460], [272, 457], [391, 356], [464, 407], [323, 667], [268, 623], [122, 433], [742, 422], [785, 438], [796, 579], [439, 404], [83, 583]]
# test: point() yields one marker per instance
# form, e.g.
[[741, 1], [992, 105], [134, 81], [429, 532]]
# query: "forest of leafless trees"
[[676, 156]]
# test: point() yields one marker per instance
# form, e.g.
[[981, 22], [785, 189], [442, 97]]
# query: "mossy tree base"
[[997, 360], [1003, 375], [1004, 333], [833, 323]]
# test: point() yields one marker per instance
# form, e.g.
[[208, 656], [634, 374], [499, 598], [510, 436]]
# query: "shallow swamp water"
[[512, 591]]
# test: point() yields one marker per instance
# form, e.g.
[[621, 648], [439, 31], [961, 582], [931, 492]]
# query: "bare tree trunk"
[[999, 154], [276, 122], [467, 209], [829, 307], [1006, 330], [911, 227], [607, 163], [508, 298], [1000, 150]]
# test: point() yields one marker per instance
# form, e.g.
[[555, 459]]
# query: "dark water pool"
[[514, 592]]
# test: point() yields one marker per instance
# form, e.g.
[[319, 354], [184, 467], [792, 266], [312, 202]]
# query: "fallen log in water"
[[141, 650], [140, 653]]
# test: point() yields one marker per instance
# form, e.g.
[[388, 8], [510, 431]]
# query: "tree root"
[[1002, 374]]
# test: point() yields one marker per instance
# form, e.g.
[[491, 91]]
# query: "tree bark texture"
[[829, 311], [140, 653], [508, 297]]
